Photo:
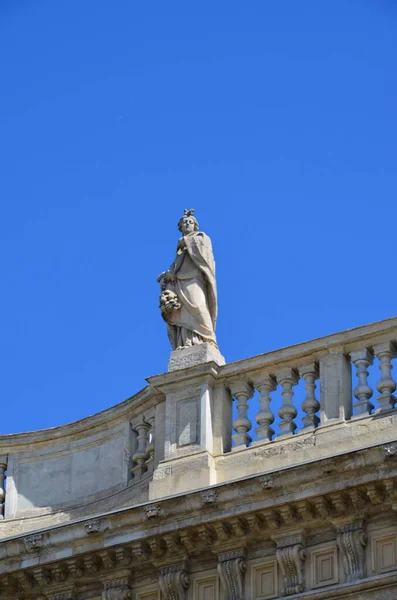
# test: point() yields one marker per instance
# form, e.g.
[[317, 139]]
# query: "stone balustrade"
[[326, 372], [207, 424]]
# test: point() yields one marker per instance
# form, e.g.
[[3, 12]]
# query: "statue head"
[[188, 223]]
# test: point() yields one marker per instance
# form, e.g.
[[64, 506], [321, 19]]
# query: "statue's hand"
[[181, 245], [167, 277]]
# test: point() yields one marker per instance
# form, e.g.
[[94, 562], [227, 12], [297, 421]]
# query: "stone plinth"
[[194, 355]]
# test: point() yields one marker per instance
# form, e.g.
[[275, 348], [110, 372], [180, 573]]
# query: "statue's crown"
[[189, 212]]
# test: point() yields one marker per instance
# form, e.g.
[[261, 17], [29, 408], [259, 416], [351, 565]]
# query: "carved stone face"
[[187, 225]]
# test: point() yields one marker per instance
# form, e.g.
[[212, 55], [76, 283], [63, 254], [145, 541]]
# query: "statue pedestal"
[[195, 427], [194, 355]]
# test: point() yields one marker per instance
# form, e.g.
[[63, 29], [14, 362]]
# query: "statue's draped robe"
[[195, 285]]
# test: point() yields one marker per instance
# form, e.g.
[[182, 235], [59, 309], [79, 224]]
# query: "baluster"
[[386, 385], [3, 468], [265, 417], [140, 456], [241, 390], [287, 379], [310, 405], [150, 446], [362, 359]]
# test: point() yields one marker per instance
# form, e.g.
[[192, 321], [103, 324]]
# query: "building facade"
[[170, 496]]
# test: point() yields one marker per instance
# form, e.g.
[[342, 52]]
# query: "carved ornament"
[[93, 526], [291, 556], [351, 541], [34, 542], [174, 582], [231, 570], [116, 590], [209, 497]]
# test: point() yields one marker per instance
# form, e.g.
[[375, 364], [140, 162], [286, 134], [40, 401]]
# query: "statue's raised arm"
[[188, 300]]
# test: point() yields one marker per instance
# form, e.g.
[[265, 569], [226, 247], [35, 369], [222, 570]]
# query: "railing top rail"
[[149, 396], [366, 333], [126, 409]]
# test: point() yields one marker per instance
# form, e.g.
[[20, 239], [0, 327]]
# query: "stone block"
[[194, 355]]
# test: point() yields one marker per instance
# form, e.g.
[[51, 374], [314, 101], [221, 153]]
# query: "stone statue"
[[188, 300]]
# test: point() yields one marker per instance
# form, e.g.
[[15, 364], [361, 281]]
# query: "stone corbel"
[[351, 541], [231, 570], [174, 582], [291, 556], [116, 590]]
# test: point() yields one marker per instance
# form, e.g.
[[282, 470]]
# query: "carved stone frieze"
[[291, 556], [255, 523], [208, 497], [42, 576], [93, 526], [92, 563], [323, 507], [375, 494], [273, 519], [305, 511], [223, 531], [390, 451], [217, 534], [288, 514], [34, 542], [108, 558], [59, 573], [116, 590], [141, 552], [267, 482], [351, 541], [206, 534], [76, 567], [189, 540], [174, 582], [153, 510], [239, 526], [231, 570]]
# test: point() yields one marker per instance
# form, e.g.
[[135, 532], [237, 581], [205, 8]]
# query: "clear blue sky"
[[276, 120]]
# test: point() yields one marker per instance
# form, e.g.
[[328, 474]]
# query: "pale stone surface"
[[194, 355], [310, 514], [188, 299]]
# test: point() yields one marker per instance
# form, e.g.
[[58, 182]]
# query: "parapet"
[[181, 433]]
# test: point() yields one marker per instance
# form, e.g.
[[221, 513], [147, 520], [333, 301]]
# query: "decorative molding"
[[116, 590], [324, 567], [384, 553], [291, 556], [174, 581], [264, 580], [231, 570], [351, 541]]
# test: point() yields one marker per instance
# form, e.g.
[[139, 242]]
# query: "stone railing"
[[308, 401], [193, 428], [325, 368]]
